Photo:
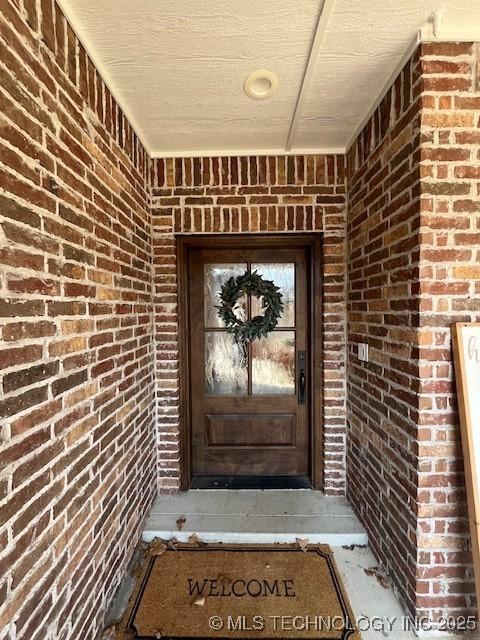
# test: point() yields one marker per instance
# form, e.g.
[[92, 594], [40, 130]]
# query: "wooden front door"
[[249, 407]]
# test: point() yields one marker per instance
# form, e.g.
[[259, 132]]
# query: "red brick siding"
[[77, 429], [249, 195], [383, 255], [449, 291], [413, 252]]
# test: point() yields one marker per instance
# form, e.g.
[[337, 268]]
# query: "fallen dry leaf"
[[351, 547], [199, 602], [110, 633], [376, 573], [157, 548], [181, 522], [303, 544], [195, 540]]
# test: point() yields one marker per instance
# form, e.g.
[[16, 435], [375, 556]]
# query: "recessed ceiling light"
[[261, 84]]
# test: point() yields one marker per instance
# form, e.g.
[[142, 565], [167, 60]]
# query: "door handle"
[[302, 377]]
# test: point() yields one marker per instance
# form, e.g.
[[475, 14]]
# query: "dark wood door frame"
[[313, 244]]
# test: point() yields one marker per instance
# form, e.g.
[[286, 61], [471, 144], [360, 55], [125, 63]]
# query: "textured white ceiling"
[[363, 45], [177, 67]]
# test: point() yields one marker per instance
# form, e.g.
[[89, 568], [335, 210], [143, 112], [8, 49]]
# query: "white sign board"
[[466, 349]]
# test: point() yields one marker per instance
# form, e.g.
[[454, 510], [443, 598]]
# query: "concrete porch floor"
[[255, 517]]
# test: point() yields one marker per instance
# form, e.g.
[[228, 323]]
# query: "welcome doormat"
[[237, 591]]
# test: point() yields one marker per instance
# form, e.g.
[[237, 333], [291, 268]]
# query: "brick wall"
[[413, 245], [383, 255], [77, 429], [449, 291], [250, 195]]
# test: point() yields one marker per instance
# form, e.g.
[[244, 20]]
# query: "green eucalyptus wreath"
[[259, 326]]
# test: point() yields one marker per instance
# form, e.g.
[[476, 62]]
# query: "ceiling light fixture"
[[261, 84]]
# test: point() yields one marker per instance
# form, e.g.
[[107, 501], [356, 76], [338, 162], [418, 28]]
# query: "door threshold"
[[250, 482]]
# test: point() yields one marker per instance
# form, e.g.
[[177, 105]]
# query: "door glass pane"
[[273, 364], [283, 276], [225, 365], [215, 277]]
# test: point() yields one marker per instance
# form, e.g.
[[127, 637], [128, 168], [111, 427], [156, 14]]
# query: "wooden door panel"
[[250, 430], [278, 461], [245, 410]]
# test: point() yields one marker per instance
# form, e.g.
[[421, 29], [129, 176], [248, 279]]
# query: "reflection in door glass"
[[215, 277], [283, 276], [273, 364], [225, 365]]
